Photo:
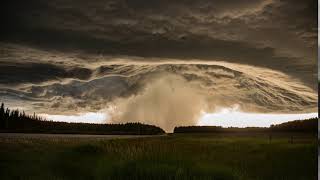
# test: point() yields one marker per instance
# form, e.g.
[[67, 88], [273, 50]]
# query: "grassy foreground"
[[168, 157]]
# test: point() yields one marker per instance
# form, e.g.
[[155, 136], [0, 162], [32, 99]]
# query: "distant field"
[[182, 156]]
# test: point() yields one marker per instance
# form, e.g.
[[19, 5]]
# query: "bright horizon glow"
[[231, 117], [226, 117], [88, 117]]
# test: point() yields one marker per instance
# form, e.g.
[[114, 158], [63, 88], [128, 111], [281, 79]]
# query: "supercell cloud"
[[159, 62]]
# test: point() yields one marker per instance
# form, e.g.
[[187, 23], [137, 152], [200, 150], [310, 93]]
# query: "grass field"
[[168, 157]]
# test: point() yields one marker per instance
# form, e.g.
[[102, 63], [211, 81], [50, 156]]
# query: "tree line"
[[308, 125], [19, 121], [303, 126]]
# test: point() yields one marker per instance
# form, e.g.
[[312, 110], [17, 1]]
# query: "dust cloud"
[[167, 102]]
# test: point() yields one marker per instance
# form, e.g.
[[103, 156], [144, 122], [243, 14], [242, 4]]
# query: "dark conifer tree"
[[2, 121]]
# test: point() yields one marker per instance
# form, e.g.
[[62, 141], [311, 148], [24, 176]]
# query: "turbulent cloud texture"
[[159, 62]]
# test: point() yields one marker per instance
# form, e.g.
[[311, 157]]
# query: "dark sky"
[[63, 56]]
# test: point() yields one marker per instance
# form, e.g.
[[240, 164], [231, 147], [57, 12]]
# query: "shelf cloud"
[[161, 62]]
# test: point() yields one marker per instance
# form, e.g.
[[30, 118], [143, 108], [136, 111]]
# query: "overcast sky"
[[71, 56]]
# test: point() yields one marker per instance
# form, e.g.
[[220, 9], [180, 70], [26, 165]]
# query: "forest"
[[17, 121], [299, 126]]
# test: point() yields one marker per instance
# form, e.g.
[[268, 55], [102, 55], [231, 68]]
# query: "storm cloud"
[[66, 56]]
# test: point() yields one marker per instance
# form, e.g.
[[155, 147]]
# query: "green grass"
[[170, 157]]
